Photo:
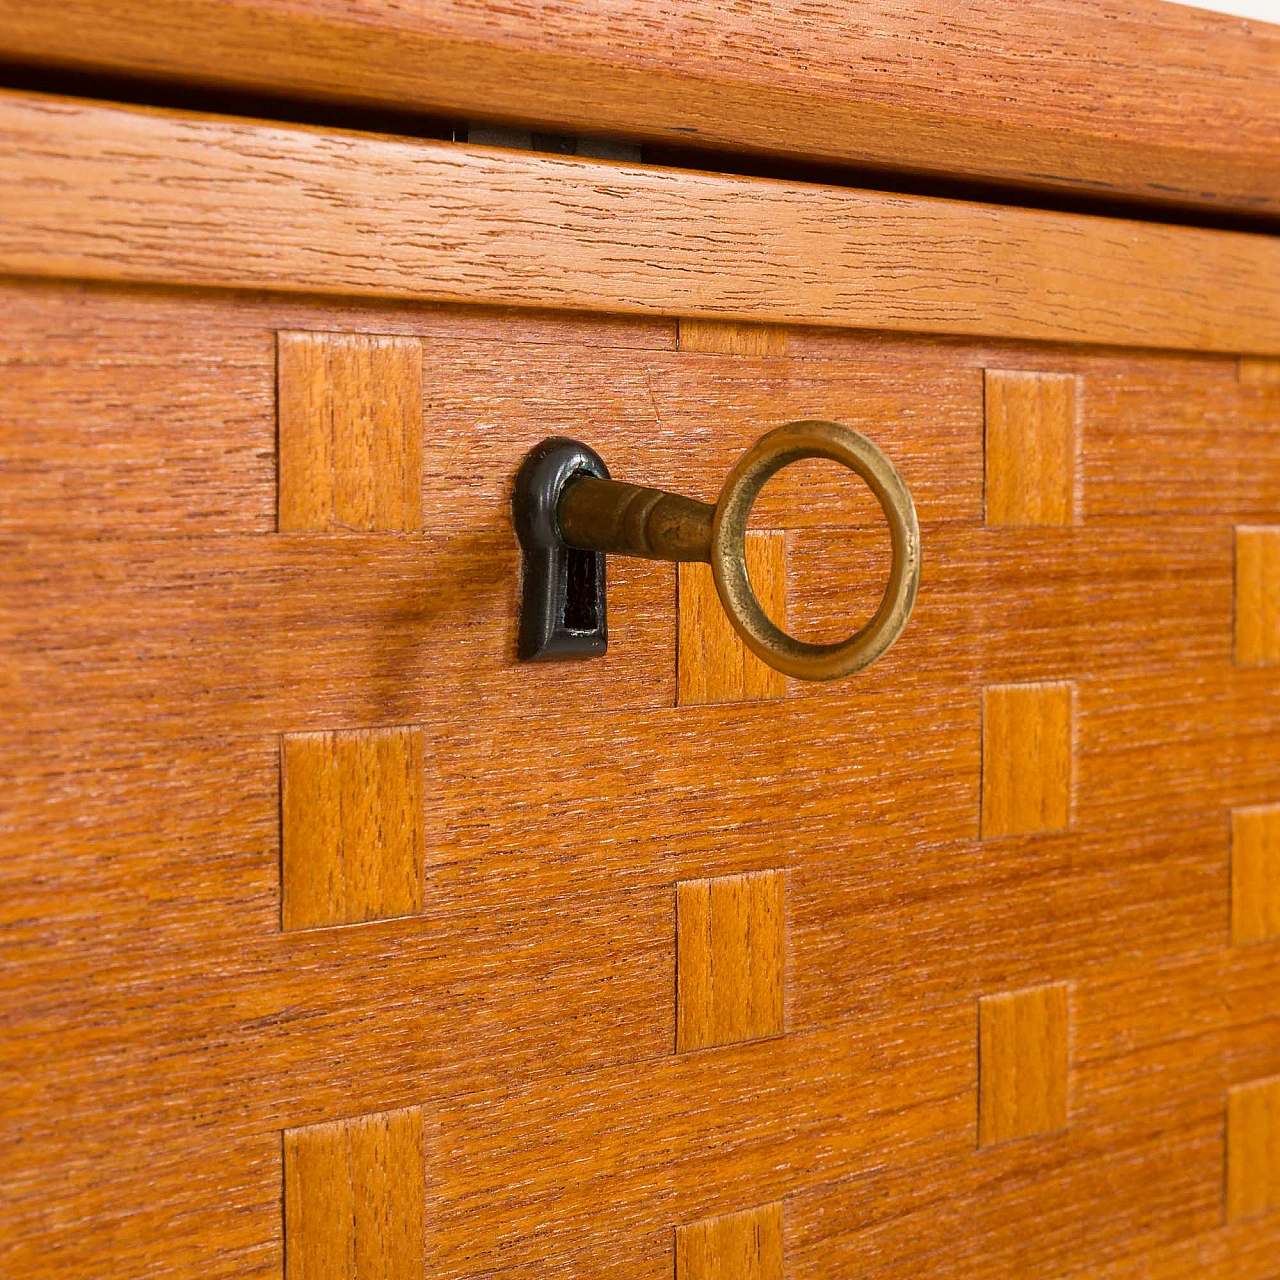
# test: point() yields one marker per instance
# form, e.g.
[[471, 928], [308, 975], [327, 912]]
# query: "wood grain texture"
[[720, 337], [350, 432], [1260, 371], [1028, 754], [159, 638], [96, 192], [735, 1246], [355, 1198], [1024, 1040], [1258, 596], [351, 826], [713, 664], [730, 959], [1030, 448], [1255, 874], [1253, 1149], [1118, 97]]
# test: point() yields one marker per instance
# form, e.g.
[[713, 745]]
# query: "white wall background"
[[1266, 10]]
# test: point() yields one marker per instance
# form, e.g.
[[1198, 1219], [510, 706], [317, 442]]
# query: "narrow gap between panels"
[[215, 100]]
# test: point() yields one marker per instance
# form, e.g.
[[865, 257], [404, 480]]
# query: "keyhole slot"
[[581, 613]]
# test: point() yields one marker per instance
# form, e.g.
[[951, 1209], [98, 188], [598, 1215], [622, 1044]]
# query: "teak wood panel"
[[351, 826], [1255, 874], [162, 637], [355, 1198], [713, 664], [1028, 758], [101, 192], [350, 432], [736, 1246], [1253, 1149], [1258, 596], [1024, 1040], [1031, 448], [730, 959], [1118, 97], [1260, 371], [726, 338]]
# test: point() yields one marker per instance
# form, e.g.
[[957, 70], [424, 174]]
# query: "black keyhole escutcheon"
[[562, 612]]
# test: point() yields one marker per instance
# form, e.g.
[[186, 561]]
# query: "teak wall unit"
[[337, 943]]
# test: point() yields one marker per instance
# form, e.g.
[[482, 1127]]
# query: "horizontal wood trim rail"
[[1129, 98], [99, 192]]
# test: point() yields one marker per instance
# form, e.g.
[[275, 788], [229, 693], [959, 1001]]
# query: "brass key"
[[567, 508]]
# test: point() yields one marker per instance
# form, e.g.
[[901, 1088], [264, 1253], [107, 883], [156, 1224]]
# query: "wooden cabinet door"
[[341, 944]]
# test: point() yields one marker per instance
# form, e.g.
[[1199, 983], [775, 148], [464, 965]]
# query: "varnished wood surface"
[[161, 636], [351, 826], [1031, 448], [745, 1245], [712, 663], [1255, 874], [1258, 595], [1260, 371], [1024, 1063], [1028, 752], [720, 337], [1253, 1149], [355, 1198], [350, 432], [730, 959], [1114, 97], [90, 191]]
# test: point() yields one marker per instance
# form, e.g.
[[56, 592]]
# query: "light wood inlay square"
[[351, 826], [1257, 596], [1027, 758], [1260, 371], [734, 1246], [355, 1199], [730, 959], [1253, 1149], [350, 427], [1255, 874], [731, 338], [1031, 447], [713, 665], [1023, 1045]]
